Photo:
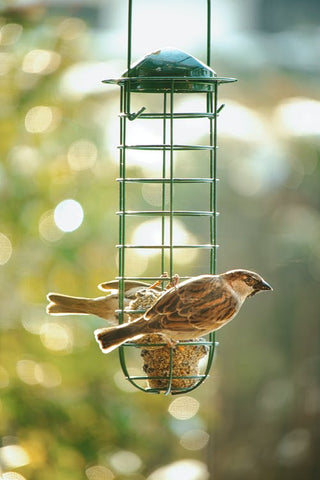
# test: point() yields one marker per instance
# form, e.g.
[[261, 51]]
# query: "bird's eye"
[[249, 281]]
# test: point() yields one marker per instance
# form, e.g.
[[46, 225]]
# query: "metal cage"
[[168, 73]]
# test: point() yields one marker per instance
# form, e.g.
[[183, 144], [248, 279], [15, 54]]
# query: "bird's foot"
[[170, 342], [156, 284], [164, 276], [174, 282]]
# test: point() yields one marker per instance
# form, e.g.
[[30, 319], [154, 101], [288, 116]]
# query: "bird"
[[103, 307], [188, 310]]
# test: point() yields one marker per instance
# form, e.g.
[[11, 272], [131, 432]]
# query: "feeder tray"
[[167, 72]]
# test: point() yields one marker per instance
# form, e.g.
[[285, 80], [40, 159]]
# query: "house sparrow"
[[103, 307], [188, 310]]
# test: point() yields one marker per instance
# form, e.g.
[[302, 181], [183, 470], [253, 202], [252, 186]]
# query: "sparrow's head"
[[246, 283]]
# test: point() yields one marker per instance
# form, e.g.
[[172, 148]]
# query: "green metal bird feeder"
[[151, 90]]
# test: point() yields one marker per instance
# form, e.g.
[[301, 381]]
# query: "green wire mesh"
[[194, 78]]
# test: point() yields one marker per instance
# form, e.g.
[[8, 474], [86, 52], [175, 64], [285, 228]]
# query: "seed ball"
[[157, 358]]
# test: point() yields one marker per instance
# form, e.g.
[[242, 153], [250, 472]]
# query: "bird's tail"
[[111, 338], [64, 305]]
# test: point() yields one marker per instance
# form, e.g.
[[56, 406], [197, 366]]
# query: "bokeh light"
[[33, 318], [152, 193], [276, 394], [10, 33], [48, 229], [184, 407], [33, 373], [13, 456], [194, 439], [82, 155], [26, 371], [6, 63], [48, 375], [24, 159], [41, 119], [42, 62], [260, 172], [12, 476], [298, 116], [71, 28], [68, 215], [125, 462], [293, 447], [242, 123], [150, 161], [186, 469], [5, 249], [56, 337], [136, 264], [149, 233], [84, 78], [99, 472]]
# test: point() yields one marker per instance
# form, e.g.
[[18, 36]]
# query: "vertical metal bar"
[[129, 34], [212, 154], [163, 200], [215, 175], [123, 108], [212, 218], [208, 32], [171, 180], [122, 203]]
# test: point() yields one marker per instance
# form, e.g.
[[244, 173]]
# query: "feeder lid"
[[170, 62], [167, 70], [158, 70]]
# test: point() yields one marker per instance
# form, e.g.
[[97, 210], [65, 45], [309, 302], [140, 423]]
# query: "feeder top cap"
[[169, 70], [169, 62]]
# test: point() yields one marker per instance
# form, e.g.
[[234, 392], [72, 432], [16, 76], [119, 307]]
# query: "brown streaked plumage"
[[103, 307], [189, 310]]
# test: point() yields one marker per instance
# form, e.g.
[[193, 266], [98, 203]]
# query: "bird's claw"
[[174, 281], [171, 343]]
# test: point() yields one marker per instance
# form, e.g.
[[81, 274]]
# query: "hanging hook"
[[133, 116]]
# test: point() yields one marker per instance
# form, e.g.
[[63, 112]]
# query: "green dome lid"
[[160, 70]]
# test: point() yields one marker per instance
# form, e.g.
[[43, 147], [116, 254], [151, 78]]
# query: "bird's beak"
[[264, 286], [259, 287]]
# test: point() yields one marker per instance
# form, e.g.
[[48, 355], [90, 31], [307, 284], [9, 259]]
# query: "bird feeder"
[[150, 94]]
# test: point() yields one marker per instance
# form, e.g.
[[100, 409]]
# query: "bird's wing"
[[192, 304]]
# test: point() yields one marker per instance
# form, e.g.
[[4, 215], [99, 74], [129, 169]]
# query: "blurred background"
[[66, 412]]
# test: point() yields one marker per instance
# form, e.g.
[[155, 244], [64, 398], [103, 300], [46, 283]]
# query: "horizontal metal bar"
[[161, 116], [174, 390], [151, 279], [164, 344], [168, 180], [166, 213], [204, 246], [162, 147], [143, 377], [210, 80]]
